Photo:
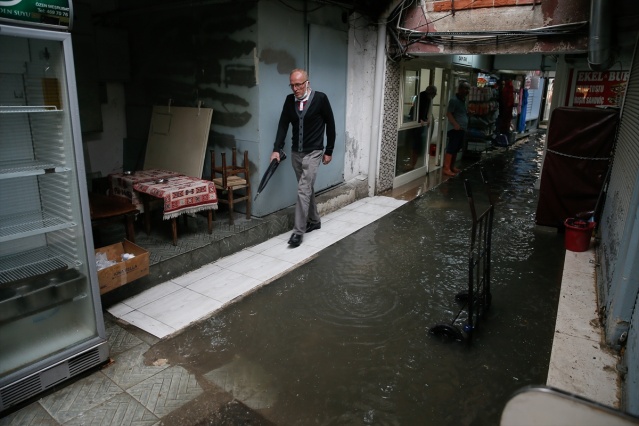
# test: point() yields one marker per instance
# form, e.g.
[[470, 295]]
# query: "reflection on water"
[[343, 340]]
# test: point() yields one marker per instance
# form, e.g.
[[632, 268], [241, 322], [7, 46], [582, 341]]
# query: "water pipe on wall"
[[600, 57]]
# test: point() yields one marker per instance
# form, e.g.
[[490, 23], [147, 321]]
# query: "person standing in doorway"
[[457, 115], [424, 115], [425, 102], [310, 114]]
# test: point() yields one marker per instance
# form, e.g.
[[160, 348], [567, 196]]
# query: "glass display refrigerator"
[[51, 324]]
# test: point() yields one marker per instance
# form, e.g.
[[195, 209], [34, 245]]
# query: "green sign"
[[49, 13]]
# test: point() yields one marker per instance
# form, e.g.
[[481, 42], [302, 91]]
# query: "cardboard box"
[[124, 271]]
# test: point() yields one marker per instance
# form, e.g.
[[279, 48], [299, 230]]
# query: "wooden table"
[[180, 194], [121, 184], [110, 208]]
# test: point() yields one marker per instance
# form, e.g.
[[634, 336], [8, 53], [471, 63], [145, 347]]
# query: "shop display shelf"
[[27, 224], [30, 264], [27, 109], [14, 169]]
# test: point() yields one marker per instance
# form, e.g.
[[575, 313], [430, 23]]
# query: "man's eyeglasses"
[[297, 85]]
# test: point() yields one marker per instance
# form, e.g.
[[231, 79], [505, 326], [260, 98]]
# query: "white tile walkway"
[[168, 307], [580, 363]]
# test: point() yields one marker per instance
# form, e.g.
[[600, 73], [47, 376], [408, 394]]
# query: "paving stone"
[[121, 410], [119, 339], [31, 415], [128, 368], [76, 398], [167, 390]]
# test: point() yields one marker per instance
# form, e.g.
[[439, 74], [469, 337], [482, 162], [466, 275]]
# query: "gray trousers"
[[305, 165]]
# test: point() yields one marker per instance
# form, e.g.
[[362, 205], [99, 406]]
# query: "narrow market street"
[[343, 338]]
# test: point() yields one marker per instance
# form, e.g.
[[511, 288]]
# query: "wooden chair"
[[105, 209], [230, 182]]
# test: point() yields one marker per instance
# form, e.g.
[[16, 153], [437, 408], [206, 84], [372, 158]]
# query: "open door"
[[438, 138]]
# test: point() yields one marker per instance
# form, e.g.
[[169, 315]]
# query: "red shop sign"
[[600, 88]]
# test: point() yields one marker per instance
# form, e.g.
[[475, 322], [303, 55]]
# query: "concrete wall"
[[186, 54], [362, 54], [235, 59], [282, 41]]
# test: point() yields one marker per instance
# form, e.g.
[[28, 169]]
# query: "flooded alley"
[[343, 339]]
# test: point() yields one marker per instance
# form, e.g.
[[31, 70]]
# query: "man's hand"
[[275, 156], [327, 159]]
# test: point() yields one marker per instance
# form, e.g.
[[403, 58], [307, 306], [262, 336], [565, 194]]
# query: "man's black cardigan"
[[318, 117]]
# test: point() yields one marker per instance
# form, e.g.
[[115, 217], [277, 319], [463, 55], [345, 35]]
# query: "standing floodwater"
[[343, 339]]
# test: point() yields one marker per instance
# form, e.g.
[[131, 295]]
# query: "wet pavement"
[[344, 338]]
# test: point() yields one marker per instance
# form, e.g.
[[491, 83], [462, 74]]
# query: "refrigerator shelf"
[[30, 264], [20, 109], [30, 223], [39, 294], [14, 169]]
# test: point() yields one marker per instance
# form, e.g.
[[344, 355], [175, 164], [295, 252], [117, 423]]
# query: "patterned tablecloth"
[[181, 194], [122, 183]]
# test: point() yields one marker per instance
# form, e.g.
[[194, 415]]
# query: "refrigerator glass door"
[[48, 304]]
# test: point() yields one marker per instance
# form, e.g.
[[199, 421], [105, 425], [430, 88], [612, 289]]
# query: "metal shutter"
[[618, 274], [621, 196]]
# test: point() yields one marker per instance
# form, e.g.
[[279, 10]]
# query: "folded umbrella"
[[269, 172]]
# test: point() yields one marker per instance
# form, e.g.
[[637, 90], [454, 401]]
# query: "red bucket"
[[578, 234]]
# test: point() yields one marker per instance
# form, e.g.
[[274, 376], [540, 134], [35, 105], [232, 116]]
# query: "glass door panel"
[[412, 138], [47, 304], [438, 135]]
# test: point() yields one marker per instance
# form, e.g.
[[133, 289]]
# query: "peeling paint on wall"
[[486, 18], [352, 151], [200, 53], [284, 60]]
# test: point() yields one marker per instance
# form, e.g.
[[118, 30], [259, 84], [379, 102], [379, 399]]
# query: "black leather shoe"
[[310, 226], [295, 240]]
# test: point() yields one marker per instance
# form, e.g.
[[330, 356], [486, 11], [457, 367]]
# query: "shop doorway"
[[420, 148], [504, 104], [438, 139]]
